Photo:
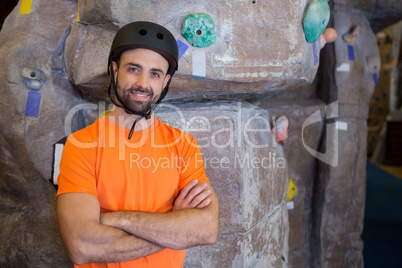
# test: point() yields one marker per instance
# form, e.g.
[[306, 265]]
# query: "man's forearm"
[[109, 244], [178, 229], [88, 241]]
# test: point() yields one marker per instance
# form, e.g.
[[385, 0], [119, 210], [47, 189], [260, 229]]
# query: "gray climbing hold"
[[34, 79]]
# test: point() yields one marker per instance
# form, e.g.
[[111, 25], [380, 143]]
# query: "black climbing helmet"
[[149, 35]]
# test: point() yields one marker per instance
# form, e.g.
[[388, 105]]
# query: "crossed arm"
[[125, 235], [182, 228]]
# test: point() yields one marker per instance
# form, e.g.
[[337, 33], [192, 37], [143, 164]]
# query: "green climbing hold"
[[199, 30], [316, 19]]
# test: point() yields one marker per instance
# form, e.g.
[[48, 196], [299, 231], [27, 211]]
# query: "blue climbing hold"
[[316, 19]]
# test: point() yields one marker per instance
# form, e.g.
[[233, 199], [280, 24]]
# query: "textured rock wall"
[[51, 64], [339, 192], [302, 168], [249, 174], [379, 104], [28, 233], [55, 79], [260, 46], [380, 13]]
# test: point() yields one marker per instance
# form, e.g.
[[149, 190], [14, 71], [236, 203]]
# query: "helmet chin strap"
[[122, 105], [147, 116]]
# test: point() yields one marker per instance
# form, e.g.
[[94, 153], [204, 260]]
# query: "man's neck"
[[119, 116]]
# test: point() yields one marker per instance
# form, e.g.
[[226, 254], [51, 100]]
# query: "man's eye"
[[155, 75], [133, 70]]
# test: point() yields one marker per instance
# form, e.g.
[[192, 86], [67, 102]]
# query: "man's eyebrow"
[[158, 70], [141, 67], [134, 64]]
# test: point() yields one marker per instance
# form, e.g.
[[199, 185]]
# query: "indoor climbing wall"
[[239, 47], [302, 168], [249, 173], [339, 191], [379, 104], [247, 89], [35, 97]]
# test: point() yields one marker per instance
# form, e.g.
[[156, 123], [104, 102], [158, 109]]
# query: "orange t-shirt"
[[145, 173]]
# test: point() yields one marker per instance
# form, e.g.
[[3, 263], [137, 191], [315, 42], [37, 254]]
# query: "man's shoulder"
[[89, 134], [173, 132], [177, 137]]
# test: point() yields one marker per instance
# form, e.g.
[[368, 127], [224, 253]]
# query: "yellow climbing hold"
[[291, 190], [78, 10], [25, 6]]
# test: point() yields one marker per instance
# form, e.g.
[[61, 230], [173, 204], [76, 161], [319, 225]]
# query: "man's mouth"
[[139, 95]]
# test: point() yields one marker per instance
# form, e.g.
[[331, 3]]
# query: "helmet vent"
[[142, 32], [159, 36]]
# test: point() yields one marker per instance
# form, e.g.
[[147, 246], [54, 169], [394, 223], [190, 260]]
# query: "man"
[[133, 190]]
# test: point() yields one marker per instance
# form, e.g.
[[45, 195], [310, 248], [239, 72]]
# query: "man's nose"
[[142, 81]]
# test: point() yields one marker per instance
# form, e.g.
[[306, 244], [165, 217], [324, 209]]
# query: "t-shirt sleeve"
[[77, 168], [192, 164]]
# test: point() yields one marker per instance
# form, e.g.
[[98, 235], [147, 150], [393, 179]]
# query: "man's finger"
[[195, 192], [200, 198], [186, 189], [204, 203]]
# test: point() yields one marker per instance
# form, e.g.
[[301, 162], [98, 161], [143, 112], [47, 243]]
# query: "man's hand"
[[193, 195], [108, 218], [194, 220]]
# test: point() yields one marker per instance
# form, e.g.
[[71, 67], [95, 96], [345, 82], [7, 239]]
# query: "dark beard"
[[133, 105], [138, 106]]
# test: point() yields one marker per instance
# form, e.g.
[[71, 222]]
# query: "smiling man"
[[113, 213], [149, 69]]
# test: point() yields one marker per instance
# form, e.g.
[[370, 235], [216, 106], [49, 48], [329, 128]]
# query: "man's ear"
[[167, 77], [114, 65]]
